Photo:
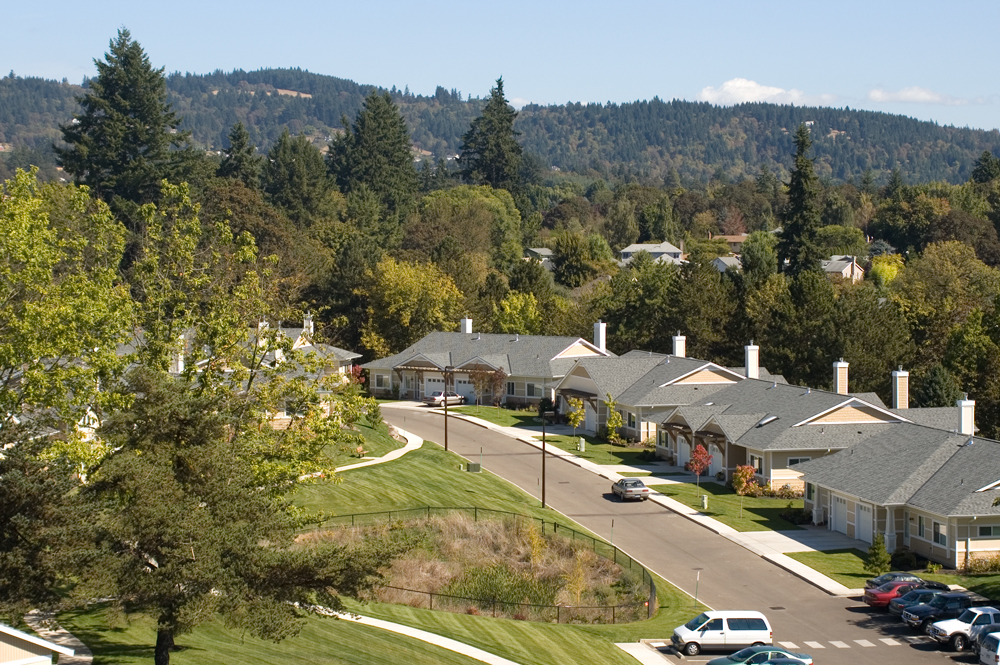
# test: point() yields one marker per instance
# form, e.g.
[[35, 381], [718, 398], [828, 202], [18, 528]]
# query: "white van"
[[729, 630], [989, 647]]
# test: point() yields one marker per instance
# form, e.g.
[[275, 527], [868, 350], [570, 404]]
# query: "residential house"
[[924, 488], [534, 364], [645, 386], [735, 242], [724, 263], [543, 255], [844, 267], [663, 252], [19, 648]]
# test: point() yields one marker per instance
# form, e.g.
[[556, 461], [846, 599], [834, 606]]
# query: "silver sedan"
[[630, 488]]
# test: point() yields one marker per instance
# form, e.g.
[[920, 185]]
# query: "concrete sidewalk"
[[47, 628], [770, 545]]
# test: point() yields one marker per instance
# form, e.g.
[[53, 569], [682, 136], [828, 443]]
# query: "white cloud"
[[915, 95], [519, 103], [739, 90]]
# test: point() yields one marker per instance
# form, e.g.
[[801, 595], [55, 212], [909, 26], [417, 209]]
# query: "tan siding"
[[12, 649], [705, 376], [853, 414], [577, 350]]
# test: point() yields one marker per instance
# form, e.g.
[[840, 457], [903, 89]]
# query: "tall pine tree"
[[241, 161], [376, 152], [120, 145], [491, 154], [801, 219]]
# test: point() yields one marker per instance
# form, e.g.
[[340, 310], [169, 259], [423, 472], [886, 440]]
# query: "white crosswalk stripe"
[[840, 645], [789, 645], [814, 645], [914, 640], [889, 641], [863, 643]]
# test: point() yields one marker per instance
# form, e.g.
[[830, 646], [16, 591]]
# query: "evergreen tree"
[[621, 227], [878, 560], [241, 161], [937, 388], [376, 152], [802, 216], [295, 179], [987, 168], [491, 154], [120, 145]]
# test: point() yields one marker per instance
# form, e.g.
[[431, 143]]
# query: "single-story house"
[[724, 263], [663, 251], [735, 241], [533, 364], [20, 648], [845, 267], [543, 255], [924, 488]]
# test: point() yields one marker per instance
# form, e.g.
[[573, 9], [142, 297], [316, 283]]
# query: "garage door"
[[717, 461], [839, 518], [863, 521], [683, 452], [464, 388]]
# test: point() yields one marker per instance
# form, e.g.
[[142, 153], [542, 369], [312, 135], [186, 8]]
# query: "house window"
[[631, 420], [796, 460], [810, 492], [757, 462], [940, 535], [989, 532], [920, 526], [510, 387], [380, 381], [531, 390]]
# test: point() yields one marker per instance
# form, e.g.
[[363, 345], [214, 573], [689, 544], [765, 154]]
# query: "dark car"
[[917, 596], [876, 582], [942, 606], [879, 598], [762, 654]]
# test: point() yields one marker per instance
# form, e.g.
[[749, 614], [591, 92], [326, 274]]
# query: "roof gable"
[[708, 373], [853, 411]]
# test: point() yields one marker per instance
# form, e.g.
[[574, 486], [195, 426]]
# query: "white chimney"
[[466, 326], [601, 335], [900, 389], [751, 353], [680, 345], [840, 377], [307, 324], [966, 415], [177, 365]]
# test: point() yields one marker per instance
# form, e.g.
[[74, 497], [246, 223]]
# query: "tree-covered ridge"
[[645, 138]]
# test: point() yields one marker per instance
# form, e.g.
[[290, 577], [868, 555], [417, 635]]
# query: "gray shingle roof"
[[921, 466], [649, 389], [615, 375], [941, 417], [518, 355]]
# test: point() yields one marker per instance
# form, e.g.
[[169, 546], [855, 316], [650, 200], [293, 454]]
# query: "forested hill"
[[648, 138]]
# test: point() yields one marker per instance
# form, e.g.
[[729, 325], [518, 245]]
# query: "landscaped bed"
[[758, 514], [500, 565]]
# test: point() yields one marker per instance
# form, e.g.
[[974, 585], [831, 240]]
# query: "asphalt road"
[[681, 551]]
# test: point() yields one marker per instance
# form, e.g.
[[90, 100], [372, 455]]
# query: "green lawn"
[[848, 568], [724, 505], [647, 474], [377, 444], [322, 640], [502, 417]]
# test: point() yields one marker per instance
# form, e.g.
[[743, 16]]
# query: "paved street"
[[834, 630]]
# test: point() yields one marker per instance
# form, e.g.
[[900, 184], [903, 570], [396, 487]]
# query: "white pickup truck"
[[964, 630]]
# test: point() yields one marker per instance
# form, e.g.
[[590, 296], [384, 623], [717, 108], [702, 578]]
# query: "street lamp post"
[[447, 373]]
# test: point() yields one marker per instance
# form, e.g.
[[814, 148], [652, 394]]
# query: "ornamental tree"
[[576, 414], [699, 462], [615, 421]]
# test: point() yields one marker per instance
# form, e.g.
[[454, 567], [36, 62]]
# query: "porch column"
[[890, 530]]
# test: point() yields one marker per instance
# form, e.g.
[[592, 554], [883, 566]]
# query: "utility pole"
[[447, 373], [542, 411]]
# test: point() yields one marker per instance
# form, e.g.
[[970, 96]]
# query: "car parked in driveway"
[[630, 488], [763, 654], [917, 596], [963, 630], [438, 398], [885, 578], [880, 597], [942, 606]]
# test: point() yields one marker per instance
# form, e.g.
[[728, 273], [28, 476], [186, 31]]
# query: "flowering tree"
[[699, 462]]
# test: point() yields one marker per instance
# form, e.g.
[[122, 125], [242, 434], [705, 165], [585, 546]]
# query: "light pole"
[[542, 410], [447, 373]]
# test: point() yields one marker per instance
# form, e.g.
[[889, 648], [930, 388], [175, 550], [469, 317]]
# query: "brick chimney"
[[840, 377], [680, 345], [751, 353], [900, 389]]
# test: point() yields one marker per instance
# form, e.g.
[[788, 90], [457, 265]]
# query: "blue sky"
[[930, 60]]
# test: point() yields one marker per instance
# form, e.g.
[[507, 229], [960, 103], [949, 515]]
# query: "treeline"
[[650, 141]]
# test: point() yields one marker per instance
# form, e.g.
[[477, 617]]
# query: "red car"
[[880, 597]]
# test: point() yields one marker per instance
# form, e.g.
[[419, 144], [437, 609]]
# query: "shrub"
[[985, 564], [904, 559], [797, 515], [878, 560], [932, 567]]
